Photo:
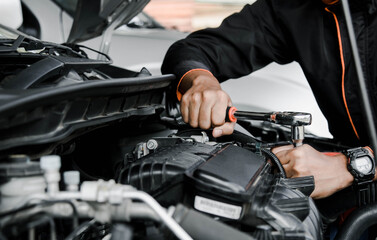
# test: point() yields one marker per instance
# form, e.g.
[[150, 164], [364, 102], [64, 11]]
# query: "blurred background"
[[190, 15]]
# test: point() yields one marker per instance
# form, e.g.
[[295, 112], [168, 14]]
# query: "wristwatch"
[[360, 164]]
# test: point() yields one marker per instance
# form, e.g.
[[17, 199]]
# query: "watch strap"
[[366, 194]]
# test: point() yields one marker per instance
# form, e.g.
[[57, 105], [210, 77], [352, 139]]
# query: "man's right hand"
[[204, 103]]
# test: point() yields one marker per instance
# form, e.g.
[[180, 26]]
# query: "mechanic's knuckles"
[[214, 99], [208, 95], [193, 123], [196, 98], [297, 153], [276, 150], [222, 96], [204, 124], [216, 121], [218, 117], [294, 155]]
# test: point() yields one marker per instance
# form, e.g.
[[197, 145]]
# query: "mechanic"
[[311, 32]]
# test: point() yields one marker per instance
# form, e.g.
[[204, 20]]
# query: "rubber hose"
[[203, 227], [276, 161], [357, 222]]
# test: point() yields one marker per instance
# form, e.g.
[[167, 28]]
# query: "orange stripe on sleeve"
[[178, 93]]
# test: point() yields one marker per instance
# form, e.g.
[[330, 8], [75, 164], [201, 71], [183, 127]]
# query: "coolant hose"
[[202, 227], [357, 222]]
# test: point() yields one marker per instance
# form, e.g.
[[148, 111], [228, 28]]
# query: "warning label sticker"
[[217, 208]]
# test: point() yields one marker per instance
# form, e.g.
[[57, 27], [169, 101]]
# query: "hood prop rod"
[[367, 110]]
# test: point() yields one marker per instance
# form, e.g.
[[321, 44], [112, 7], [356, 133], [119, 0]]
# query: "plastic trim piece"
[[45, 115]]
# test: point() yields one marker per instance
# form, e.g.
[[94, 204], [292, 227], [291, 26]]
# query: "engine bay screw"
[[152, 144]]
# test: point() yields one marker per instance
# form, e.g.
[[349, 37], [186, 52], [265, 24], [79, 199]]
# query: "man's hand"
[[204, 103], [330, 172]]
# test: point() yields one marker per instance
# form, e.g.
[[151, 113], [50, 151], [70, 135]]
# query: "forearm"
[[236, 48]]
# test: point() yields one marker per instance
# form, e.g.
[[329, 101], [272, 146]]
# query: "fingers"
[[194, 108], [282, 148], [283, 154], [292, 159], [288, 169], [204, 104], [205, 109], [219, 107], [197, 109], [184, 110]]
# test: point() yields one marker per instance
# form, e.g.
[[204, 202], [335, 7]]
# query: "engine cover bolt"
[[152, 144]]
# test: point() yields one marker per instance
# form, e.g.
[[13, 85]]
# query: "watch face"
[[362, 164]]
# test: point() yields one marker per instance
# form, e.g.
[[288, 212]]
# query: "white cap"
[[50, 162], [71, 177]]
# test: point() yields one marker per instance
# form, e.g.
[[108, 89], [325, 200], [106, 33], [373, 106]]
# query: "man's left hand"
[[330, 172]]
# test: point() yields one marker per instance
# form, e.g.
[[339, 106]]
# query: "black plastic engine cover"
[[232, 167], [174, 157], [230, 183]]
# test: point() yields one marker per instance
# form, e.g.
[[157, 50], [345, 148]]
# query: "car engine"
[[184, 185]]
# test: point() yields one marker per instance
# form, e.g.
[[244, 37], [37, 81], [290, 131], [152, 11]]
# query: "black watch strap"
[[366, 194], [364, 188]]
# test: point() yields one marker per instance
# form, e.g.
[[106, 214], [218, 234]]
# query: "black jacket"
[[292, 30]]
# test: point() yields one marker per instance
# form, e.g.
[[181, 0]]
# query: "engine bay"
[[121, 179]]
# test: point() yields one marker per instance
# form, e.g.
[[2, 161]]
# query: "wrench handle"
[[229, 114]]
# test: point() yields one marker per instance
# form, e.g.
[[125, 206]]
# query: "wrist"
[[345, 179], [188, 78]]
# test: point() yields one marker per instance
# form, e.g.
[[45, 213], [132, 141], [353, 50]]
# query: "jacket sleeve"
[[244, 42]]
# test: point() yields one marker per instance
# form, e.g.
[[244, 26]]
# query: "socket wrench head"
[[293, 118], [298, 135]]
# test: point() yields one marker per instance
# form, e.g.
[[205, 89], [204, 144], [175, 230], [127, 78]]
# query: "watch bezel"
[[359, 177]]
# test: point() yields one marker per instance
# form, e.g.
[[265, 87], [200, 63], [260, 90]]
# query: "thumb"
[[225, 129]]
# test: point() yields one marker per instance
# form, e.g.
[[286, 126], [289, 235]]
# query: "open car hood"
[[49, 91], [93, 17]]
